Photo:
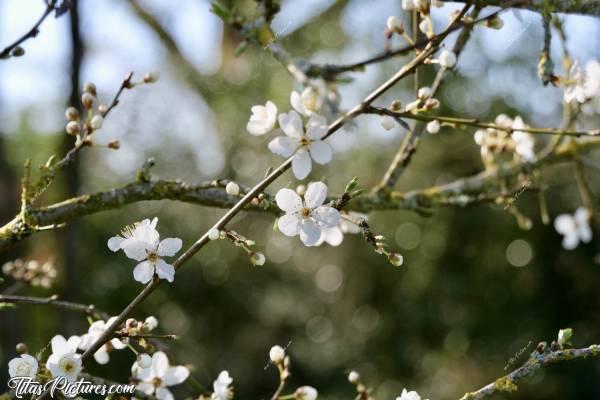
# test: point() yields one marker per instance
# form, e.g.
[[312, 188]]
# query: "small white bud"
[[495, 22], [151, 323], [232, 189], [257, 258], [301, 189], [144, 360], [214, 234], [87, 99], [424, 93], [394, 24], [306, 393], [310, 99], [387, 122], [73, 128], [447, 59], [424, 26], [408, 5], [354, 377], [396, 259], [72, 114], [277, 354], [433, 127], [96, 122], [89, 87], [102, 109]]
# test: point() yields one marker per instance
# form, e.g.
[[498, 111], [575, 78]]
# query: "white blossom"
[[64, 360], [306, 393], [574, 228], [433, 127], [592, 88], [394, 24], [412, 395], [263, 119], [141, 242], [524, 143], [221, 387], [25, 366], [257, 258], [303, 145], [447, 59], [96, 330], [277, 354], [306, 217], [156, 379], [306, 103], [232, 189], [388, 122]]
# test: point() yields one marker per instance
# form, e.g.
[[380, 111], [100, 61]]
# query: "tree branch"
[[537, 360], [586, 7], [87, 309]]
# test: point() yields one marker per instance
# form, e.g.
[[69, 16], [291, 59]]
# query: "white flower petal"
[[160, 364], [288, 224], [296, 102], [143, 272], [136, 249], [164, 394], [175, 375], [309, 232], [315, 195], [564, 224], [301, 164], [288, 200], [165, 271], [582, 216], [570, 241], [169, 247], [320, 152], [145, 387], [333, 236], [101, 356], [291, 124], [114, 243], [284, 146], [326, 216], [59, 345]]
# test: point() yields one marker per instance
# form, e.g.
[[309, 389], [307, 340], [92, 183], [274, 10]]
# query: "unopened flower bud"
[[432, 104], [17, 52], [306, 393], [301, 189], [73, 128], [131, 323], [21, 348], [151, 323], [87, 99], [424, 93], [396, 259], [447, 59], [102, 109], [114, 145], [89, 87], [214, 234], [277, 354], [354, 377], [396, 105], [394, 24], [257, 258], [151, 77], [387, 122], [96, 122], [72, 114], [232, 189], [433, 127]]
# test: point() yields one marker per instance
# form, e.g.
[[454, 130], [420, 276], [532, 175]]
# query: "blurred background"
[[474, 290]]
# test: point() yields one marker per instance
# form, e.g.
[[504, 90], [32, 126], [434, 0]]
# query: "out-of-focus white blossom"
[[412, 395], [156, 379], [141, 242], [24, 366], [447, 59], [150, 323], [263, 119], [214, 234], [433, 127], [388, 122], [232, 189], [221, 387], [353, 377], [306, 217], [307, 102], [96, 122], [574, 228], [335, 236]]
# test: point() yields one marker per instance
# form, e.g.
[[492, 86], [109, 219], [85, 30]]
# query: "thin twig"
[[33, 32], [87, 309]]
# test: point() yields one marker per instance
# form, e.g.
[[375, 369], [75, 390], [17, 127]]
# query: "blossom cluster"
[[583, 86], [505, 137], [31, 272]]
